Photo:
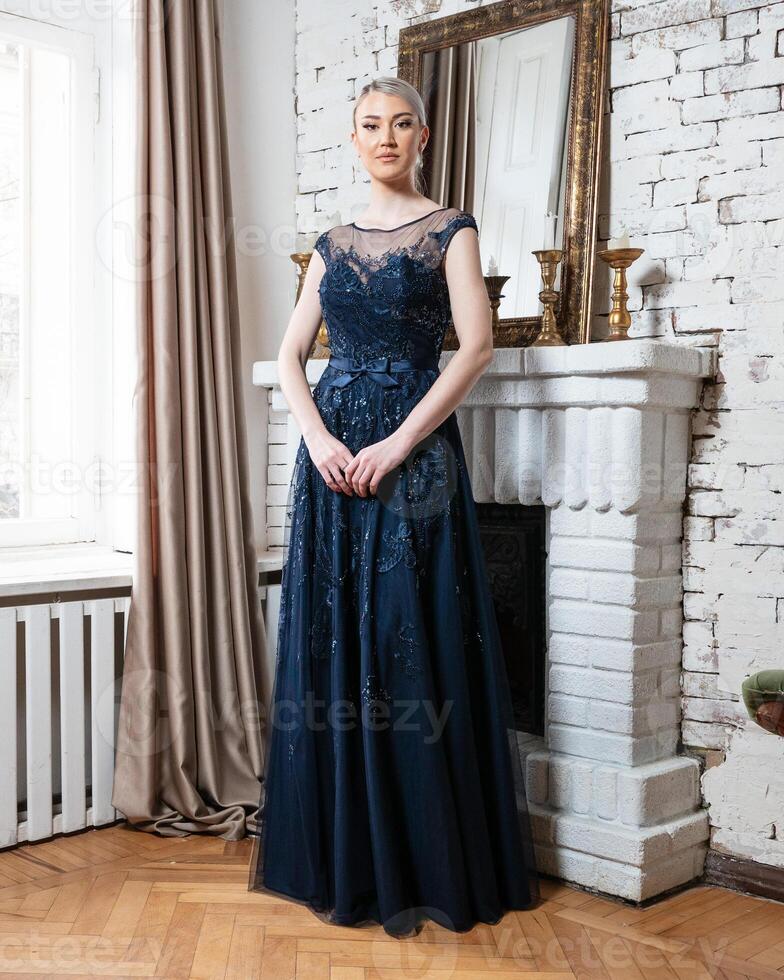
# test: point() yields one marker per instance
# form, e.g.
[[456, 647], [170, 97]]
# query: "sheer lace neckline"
[[405, 223]]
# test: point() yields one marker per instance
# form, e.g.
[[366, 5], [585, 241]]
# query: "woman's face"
[[388, 136]]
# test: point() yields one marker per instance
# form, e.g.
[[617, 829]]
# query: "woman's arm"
[[295, 348], [472, 318], [329, 455]]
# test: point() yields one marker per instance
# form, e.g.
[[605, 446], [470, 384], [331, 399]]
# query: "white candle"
[[622, 241], [549, 229], [492, 268]]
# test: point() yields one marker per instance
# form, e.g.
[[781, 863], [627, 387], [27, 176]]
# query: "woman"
[[393, 790]]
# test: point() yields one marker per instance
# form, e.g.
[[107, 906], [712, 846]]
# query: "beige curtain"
[[449, 82], [189, 747]]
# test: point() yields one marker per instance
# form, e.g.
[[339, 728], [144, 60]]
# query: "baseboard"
[[751, 877]]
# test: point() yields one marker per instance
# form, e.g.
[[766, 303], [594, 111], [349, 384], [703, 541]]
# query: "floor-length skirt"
[[393, 790]]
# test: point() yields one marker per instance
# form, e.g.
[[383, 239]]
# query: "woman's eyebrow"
[[394, 117]]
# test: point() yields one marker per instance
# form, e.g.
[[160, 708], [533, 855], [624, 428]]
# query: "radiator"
[[60, 664]]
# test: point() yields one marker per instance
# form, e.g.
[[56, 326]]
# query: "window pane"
[[10, 246], [36, 246]]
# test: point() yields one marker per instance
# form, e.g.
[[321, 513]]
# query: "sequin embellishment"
[[385, 301]]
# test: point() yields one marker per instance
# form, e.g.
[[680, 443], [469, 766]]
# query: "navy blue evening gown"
[[393, 790]]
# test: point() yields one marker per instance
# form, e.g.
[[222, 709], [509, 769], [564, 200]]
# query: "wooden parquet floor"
[[121, 903]]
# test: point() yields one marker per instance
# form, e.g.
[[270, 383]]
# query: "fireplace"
[[513, 540], [580, 454]]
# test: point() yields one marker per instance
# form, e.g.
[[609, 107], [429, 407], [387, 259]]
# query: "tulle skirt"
[[393, 790]]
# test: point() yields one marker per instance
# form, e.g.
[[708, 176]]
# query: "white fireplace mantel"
[[600, 435]]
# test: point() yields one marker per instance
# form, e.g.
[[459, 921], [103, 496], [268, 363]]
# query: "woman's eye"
[[403, 122]]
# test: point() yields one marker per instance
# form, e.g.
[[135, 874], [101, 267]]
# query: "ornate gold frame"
[[585, 136]]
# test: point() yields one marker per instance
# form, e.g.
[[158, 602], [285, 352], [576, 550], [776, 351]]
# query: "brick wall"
[[693, 169], [696, 138]]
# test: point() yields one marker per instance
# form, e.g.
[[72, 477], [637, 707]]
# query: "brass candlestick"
[[549, 335], [320, 345], [494, 285], [619, 259]]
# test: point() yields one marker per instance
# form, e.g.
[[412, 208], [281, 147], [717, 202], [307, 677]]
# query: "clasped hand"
[[360, 474]]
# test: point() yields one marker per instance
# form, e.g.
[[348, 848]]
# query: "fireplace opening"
[[514, 544]]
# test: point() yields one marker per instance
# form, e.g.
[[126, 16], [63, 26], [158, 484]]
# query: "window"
[[49, 414]]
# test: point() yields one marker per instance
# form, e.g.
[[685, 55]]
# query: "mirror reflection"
[[498, 110]]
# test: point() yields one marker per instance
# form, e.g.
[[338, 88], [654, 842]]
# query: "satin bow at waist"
[[380, 369]]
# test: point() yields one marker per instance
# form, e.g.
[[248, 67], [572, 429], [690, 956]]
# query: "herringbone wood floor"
[[122, 903]]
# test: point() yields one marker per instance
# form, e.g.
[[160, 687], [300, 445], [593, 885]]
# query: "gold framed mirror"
[[514, 94]]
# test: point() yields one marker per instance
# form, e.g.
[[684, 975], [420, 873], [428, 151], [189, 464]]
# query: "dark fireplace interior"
[[514, 540]]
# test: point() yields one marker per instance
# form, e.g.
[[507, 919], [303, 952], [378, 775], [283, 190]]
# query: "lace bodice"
[[384, 292]]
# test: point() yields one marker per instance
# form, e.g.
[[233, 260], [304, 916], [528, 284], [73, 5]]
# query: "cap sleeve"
[[321, 246], [463, 219]]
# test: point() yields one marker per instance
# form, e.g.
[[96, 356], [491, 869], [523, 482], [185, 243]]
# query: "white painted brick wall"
[[693, 164], [718, 188]]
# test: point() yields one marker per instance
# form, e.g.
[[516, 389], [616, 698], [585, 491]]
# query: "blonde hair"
[[391, 85]]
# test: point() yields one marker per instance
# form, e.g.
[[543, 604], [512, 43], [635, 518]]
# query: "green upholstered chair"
[[763, 695]]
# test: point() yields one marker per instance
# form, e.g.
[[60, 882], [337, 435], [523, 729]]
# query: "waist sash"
[[380, 369]]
